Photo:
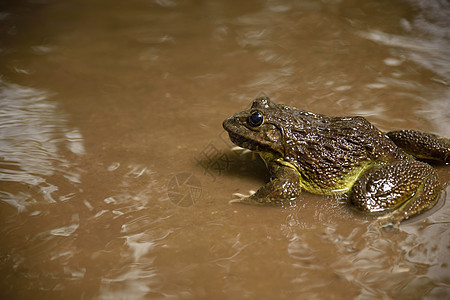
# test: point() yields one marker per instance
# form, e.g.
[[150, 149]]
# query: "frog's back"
[[331, 152]]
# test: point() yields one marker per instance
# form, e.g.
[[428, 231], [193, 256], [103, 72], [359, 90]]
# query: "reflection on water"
[[88, 162], [33, 133], [426, 40], [36, 143]]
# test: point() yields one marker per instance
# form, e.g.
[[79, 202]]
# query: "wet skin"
[[336, 155]]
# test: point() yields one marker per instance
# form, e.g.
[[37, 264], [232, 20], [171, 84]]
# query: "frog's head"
[[259, 128]]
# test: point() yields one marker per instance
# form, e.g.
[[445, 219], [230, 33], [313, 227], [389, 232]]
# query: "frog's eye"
[[256, 119]]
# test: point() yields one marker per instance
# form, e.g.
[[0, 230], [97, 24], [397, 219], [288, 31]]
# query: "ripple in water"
[[33, 138]]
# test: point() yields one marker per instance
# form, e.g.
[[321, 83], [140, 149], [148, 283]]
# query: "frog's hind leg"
[[422, 145], [401, 190]]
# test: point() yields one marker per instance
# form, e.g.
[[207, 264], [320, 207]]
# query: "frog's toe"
[[387, 222], [241, 198]]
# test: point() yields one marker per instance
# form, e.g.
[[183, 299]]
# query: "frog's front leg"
[[284, 186], [401, 190]]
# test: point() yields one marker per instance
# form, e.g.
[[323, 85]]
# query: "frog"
[[377, 172]]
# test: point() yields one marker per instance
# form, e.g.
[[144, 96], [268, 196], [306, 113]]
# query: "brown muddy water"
[[116, 172]]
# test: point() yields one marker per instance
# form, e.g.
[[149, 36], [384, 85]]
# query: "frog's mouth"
[[245, 142], [242, 142]]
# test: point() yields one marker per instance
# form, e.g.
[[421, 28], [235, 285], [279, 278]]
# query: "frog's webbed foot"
[[274, 193], [401, 190], [387, 222], [285, 187]]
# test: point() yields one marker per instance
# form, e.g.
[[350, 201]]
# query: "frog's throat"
[[268, 157], [344, 185]]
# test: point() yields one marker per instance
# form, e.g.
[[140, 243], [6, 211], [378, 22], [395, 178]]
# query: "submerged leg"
[[284, 187], [401, 189], [422, 145]]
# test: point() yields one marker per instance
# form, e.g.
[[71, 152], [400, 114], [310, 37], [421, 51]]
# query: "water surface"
[[116, 174]]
